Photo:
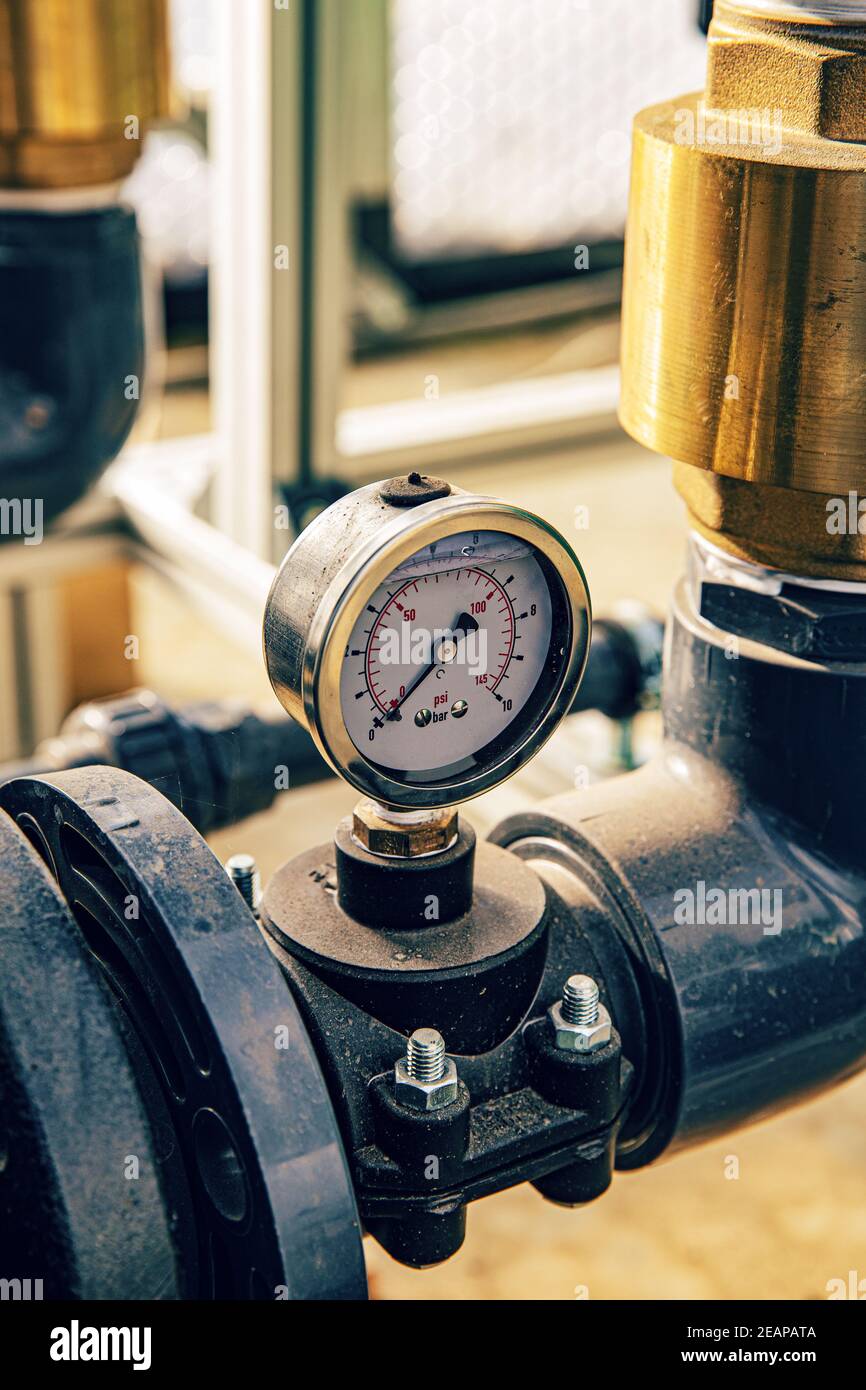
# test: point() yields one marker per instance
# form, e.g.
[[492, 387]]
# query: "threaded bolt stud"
[[425, 1055], [244, 874], [580, 1000]]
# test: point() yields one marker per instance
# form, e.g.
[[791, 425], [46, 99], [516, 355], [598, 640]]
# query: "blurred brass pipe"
[[744, 316], [79, 82]]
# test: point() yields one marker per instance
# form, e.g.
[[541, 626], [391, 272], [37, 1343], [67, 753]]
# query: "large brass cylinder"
[[744, 316], [79, 82]]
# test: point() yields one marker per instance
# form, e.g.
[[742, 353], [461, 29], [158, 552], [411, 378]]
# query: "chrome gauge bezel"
[[364, 570]]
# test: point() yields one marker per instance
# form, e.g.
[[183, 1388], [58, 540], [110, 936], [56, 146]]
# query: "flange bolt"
[[580, 999], [579, 1021], [425, 1055], [243, 871], [425, 1079]]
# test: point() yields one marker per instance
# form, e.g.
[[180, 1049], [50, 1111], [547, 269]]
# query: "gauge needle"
[[462, 624]]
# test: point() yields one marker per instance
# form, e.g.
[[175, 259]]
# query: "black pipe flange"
[[251, 1171]]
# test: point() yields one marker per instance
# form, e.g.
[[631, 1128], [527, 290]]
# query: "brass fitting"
[[744, 302], [79, 83], [813, 72], [778, 527], [403, 834]]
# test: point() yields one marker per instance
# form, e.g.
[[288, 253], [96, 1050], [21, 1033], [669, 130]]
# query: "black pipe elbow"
[[725, 908]]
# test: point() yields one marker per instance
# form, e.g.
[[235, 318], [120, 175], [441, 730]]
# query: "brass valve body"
[[78, 85], [744, 314]]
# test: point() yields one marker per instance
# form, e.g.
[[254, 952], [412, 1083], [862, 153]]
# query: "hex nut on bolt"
[[404, 835], [425, 1079], [580, 1022]]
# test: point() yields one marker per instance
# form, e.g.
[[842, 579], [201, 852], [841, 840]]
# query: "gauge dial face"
[[454, 656]]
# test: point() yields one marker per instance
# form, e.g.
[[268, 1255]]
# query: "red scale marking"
[[413, 585]]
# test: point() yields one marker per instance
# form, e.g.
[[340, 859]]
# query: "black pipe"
[[722, 888], [218, 760], [71, 353], [623, 670]]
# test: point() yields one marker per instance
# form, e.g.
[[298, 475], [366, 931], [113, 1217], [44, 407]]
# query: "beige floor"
[[795, 1218]]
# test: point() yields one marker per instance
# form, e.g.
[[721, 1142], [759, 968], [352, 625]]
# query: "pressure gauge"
[[429, 639]]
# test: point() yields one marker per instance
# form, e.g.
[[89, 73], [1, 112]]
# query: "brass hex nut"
[[812, 75], [405, 837], [425, 1095], [772, 526], [841, 113], [579, 1037]]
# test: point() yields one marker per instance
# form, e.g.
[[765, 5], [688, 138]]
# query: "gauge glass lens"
[[455, 656]]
